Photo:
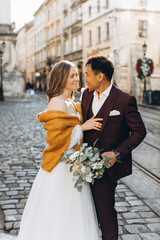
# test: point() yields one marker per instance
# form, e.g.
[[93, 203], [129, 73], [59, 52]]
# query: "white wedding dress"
[[55, 210]]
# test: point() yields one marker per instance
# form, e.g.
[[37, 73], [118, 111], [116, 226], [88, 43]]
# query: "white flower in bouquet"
[[83, 169], [86, 165], [74, 155]]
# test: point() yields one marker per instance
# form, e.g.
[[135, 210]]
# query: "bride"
[[55, 210]]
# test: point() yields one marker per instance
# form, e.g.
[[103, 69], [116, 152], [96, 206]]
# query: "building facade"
[[72, 33], [30, 53], [53, 31], [21, 51], [40, 59], [118, 29], [76, 30]]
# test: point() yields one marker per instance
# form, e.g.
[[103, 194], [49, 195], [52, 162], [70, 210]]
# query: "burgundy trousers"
[[104, 196]]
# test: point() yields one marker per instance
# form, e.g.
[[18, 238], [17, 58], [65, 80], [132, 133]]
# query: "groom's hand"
[[110, 155]]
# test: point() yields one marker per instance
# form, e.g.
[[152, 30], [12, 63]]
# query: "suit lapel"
[[87, 104], [108, 105]]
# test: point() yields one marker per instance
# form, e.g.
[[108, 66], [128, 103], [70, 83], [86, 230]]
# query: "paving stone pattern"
[[21, 145]]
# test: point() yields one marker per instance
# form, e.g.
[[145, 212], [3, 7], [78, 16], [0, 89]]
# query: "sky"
[[22, 11]]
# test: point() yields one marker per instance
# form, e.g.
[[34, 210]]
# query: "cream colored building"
[[76, 30], [25, 52], [53, 31], [72, 33], [21, 50], [30, 53], [118, 29], [72, 30], [40, 46]]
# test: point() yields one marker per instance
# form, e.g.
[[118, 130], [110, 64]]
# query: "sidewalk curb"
[[156, 107]]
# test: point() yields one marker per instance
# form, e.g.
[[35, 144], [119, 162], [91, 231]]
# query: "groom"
[[122, 131]]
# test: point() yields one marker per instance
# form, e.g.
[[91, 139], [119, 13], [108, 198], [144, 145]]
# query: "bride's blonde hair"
[[58, 77]]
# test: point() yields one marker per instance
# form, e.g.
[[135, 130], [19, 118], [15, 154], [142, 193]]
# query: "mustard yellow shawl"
[[59, 126]]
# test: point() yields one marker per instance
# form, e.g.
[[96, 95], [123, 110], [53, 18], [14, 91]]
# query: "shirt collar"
[[105, 93]]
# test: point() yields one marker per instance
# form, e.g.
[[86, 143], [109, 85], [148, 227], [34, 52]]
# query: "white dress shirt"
[[98, 102]]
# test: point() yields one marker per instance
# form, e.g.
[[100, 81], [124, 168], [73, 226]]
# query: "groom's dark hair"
[[101, 64]]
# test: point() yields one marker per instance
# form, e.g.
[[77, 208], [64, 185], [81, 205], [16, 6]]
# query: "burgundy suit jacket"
[[122, 132]]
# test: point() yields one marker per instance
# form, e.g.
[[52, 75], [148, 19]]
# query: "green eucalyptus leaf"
[[107, 165], [70, 169], [79, 188], [89, 179], [75, 178], [85, 144], [95, 149], [107, 158], [95, 142]]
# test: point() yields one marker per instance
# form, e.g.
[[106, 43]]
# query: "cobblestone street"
[[21, 145]]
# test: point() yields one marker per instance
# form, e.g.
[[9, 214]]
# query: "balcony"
[[78, 2]]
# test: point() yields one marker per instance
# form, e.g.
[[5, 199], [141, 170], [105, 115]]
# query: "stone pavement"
[[21, 145]]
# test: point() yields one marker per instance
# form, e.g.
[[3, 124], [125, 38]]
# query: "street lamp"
[[144, 48], [2, 47]]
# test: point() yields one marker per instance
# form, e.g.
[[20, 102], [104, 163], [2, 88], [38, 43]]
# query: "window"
[[52, 31], [53, 51], [49, 34], [65, 21], [48, 15], [107, 31], [73, 16], [143, 2], [90, 11], [52, 11], [90, 38], [98, 6], [74, 44], [58, 8], [79, 12], [66, 45], [79, 40], [59, 50], [107, 3], [44, 55], [40, 56], [143, 28], [58, 28], [99, 34]]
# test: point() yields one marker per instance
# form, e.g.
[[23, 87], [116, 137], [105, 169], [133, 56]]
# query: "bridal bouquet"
[[86, 165]]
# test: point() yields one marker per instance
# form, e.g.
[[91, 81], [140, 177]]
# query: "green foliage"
[[86, 165]]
